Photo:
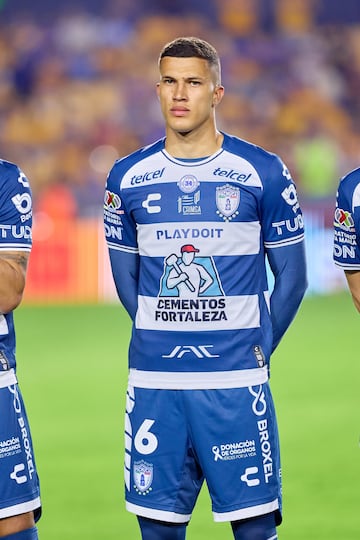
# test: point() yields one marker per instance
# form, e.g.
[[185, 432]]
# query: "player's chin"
[[182, 129], [180, 125]]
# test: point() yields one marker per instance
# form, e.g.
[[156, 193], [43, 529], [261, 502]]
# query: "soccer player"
[[190, 221], [20, 506], [347, 232]]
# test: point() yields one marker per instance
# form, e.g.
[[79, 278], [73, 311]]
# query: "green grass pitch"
[[72, 371]]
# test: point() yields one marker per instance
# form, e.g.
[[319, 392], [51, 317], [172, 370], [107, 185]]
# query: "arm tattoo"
[[17, 257]]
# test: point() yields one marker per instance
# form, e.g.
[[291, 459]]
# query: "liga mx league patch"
[[227, 201], [143, 477]]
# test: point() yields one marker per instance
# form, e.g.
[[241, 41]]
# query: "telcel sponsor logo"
[[232, 175], [147, 177]]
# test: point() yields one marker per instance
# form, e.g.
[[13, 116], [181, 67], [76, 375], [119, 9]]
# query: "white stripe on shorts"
[[7, 378], [203, 380], [21, 508], [244, 513], [160, 515]]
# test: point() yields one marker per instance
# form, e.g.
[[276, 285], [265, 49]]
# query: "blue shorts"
[[19, 484], [176, 439]]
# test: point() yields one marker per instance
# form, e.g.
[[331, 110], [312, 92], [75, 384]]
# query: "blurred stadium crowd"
[[77, 88]]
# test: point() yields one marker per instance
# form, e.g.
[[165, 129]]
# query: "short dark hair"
[[192, 47]]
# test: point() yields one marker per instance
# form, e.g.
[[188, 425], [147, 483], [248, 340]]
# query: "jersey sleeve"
[[120, 227], [281, 217], [347, 223], [121, 238], [15, 209]]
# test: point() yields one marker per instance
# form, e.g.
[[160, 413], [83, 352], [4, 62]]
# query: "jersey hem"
[[125, 249], [198, 380], [7, 378], [15, 247], [345, 266], [285, 242]]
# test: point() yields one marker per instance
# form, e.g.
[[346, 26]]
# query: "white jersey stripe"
[[21, 508], [198, 380], [123, 248], [245, 513], [286, 242], [211, 239], [15, 247], [194, 315], [160, 515]]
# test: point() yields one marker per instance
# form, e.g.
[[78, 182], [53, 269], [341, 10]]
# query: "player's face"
[[188, 92]]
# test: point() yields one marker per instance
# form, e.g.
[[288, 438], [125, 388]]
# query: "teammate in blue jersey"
[[20, 506], [190, 221], [347, 232]]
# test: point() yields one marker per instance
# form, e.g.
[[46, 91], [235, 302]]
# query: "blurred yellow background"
[[77, 91]]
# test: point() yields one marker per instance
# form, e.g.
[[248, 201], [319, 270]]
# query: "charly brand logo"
[[149, 205], [227, 201], [248, 477], [15, 474]]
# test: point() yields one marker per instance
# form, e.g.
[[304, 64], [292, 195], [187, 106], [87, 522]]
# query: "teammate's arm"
[[288, 264], [353, 280], [13, 265], [125, 270]]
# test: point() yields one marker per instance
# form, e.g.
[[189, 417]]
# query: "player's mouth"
[[179, 111]]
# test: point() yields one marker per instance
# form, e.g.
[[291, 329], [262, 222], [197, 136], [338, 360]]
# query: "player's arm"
[[347, 232], [288, 264], [13, 265], [353, 280], [125, 270]]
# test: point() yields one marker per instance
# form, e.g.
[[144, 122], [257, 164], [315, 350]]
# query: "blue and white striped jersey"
[[347, 222], [15, 235], [201, 230]]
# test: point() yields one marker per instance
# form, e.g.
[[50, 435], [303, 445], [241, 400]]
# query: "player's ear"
[[218, 95]]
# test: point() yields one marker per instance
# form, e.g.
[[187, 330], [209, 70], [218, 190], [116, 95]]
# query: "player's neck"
[[193, 144]]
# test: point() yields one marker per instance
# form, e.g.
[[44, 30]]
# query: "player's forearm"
[[285, 302], [125, 273], [12, 280], [289, 267], [353, 279]]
